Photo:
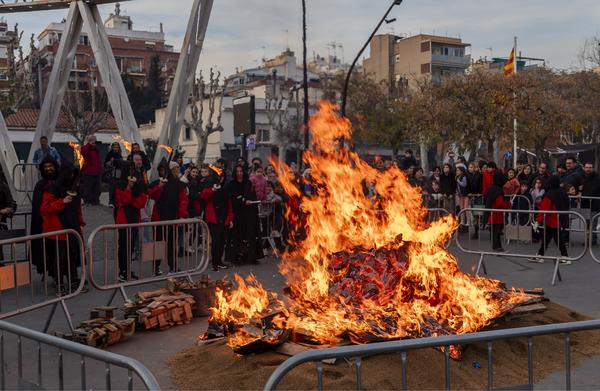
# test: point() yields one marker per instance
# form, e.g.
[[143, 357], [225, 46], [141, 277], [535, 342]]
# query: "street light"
[[349, 75]]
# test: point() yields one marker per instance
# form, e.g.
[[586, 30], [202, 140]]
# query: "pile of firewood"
[[103, 329], [160, 309]]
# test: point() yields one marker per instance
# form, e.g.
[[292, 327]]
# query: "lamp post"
[[305, 77], [349, 75]]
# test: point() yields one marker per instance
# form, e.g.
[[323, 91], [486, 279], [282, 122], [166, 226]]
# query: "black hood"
[[49, 159], [68, 180]]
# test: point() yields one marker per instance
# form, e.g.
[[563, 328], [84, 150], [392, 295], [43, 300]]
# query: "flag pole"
[[515, 124]]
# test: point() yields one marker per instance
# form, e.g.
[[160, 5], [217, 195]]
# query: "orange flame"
[[77, 153], [166, 148], [126, 144], [341, 220], [216, 169]]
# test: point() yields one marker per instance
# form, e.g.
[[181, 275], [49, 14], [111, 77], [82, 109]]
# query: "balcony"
[[451, 61]]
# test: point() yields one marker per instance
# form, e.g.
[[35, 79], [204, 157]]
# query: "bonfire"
[[368, 268]]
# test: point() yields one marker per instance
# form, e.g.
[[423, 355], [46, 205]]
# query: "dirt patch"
[[215, 366]]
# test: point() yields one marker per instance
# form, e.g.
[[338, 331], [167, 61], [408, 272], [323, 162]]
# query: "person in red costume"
[[91, 172], [554, 225], [170, 203], [494, 199], [61, 210], [131, 196], [218, 214]]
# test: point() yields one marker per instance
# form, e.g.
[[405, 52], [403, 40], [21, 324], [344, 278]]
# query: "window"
[[93, 62], [445, 51], [397, 58], [425, 46], [3, 76], [83, 40], [188, 134], [425, 68], [119, 61], [264, 135]]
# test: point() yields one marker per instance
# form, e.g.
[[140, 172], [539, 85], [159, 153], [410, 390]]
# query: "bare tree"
[[86, 111], [285, 129], [18, 74], [211, 93]]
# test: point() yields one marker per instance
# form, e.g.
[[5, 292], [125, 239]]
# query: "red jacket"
[[487, 181], [51, 207], [123, 198], [210, 215], [182, 209], [552, 220], [497, 218], [92, 164]]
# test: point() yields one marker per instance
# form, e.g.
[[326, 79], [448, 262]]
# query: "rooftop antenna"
[[342, 50], [491, 52], [287, 39]]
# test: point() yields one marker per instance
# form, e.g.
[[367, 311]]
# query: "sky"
[[242, 32]]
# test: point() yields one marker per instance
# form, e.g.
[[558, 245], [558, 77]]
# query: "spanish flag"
[[510, 67]]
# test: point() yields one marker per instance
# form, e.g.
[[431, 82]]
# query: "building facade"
[[395, 59], [134, 51]]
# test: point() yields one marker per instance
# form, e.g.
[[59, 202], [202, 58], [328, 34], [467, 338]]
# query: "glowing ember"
[[126, 144], [166, 148], [77, 153], [369, 268]]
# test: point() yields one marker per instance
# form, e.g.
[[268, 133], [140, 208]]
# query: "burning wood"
[[369, 268]]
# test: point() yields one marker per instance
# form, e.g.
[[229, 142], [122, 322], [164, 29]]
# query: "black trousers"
[[127, 241], [90, 189], [556, 234], [61, 261], [496, 233], [217, 245], [168, 234]]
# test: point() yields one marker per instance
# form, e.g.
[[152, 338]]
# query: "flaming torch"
[[168, 149], [77, 153], [126, 144]]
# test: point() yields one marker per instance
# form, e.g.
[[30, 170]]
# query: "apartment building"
[[396, 59], [133, 50]]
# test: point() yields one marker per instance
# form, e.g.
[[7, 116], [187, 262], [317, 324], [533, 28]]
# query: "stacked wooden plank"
[[103, 329], [202, 290], [160, 309]]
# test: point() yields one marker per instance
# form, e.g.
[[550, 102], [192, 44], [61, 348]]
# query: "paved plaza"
[[578, 291]]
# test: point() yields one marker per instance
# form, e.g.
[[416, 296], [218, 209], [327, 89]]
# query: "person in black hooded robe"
[[49, 173], [244, 242], [61, 210]]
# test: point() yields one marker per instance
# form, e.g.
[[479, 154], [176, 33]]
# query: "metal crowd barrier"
[[125, 255], [586, 206], [25, 176], [70, 364], [594, 231], [523, 234], [271, 218], [18, 215], [25, 286], [356, 353]]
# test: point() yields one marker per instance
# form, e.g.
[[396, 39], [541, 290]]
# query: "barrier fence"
[[134, 254], [55, 364], [355, 354], [272, 224], [25, 176], [41, 270], [532, 241]]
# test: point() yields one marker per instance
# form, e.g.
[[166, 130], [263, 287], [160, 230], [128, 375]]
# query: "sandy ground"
[[215, 366]]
